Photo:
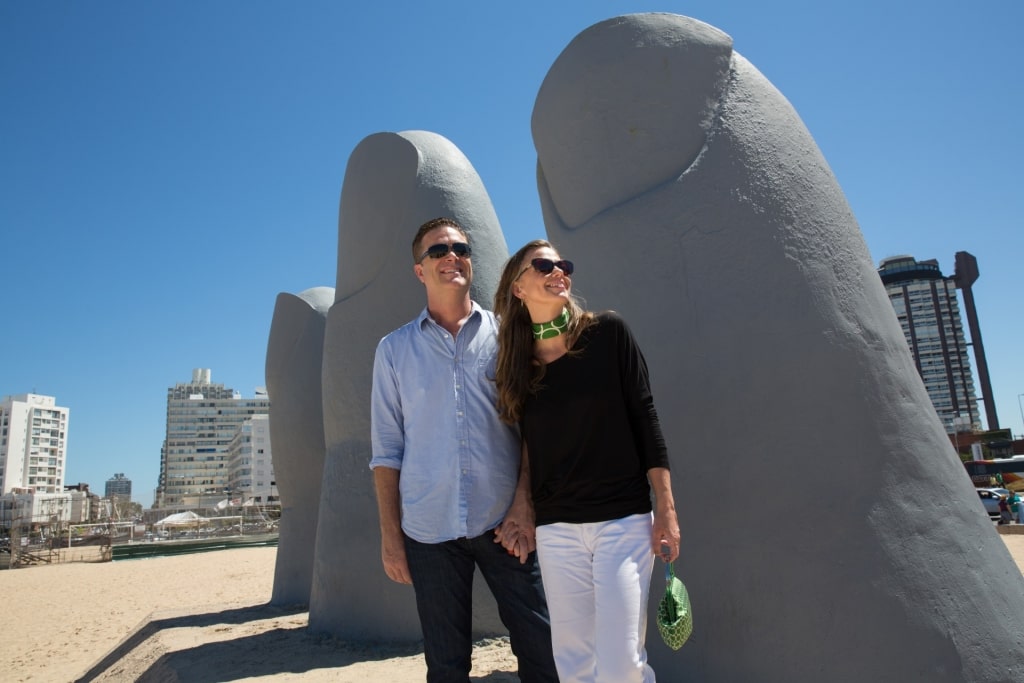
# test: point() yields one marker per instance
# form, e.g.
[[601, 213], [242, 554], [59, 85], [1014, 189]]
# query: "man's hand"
[[392, 540], [515, 540], [392, 553], [516, 533]]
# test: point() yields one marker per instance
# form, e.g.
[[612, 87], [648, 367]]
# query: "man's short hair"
[[417, 247]]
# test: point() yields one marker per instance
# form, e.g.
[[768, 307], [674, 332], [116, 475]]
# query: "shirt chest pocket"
[[486, 367]]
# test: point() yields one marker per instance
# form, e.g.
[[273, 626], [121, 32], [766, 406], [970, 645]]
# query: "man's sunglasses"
[[460, 249], [545, 266]]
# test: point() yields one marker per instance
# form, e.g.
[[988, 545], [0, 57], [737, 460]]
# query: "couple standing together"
[[497, 434]]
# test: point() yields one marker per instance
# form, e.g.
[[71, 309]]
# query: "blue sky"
[[168, 168]]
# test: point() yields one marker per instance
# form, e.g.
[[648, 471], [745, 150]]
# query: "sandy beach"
[[200, 618]]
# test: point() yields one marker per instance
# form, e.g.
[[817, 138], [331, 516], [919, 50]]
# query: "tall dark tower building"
[[928, 309]]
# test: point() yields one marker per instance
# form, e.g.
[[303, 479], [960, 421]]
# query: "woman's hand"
[[665, 534], [515, 539], [665, 531]]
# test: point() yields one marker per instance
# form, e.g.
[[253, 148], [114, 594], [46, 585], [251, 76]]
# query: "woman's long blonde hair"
[[518, 372]]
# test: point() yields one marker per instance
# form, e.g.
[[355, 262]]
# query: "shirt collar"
[[424, 315]]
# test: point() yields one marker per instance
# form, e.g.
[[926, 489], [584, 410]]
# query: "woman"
[[576, 384]]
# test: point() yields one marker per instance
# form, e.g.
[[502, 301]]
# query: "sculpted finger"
[[657, 144], [393, 183]]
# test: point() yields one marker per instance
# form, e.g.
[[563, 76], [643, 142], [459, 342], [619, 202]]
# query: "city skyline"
[[170, 169]]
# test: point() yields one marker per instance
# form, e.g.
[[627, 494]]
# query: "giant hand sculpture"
[[829, 531]]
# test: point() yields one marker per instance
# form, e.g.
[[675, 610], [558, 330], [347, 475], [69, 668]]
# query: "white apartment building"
[[250, 465], [928, 309], [202, 420], [31, 508], [33, 443]]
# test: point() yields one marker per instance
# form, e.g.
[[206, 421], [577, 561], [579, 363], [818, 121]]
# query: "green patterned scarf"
[[553, 328]]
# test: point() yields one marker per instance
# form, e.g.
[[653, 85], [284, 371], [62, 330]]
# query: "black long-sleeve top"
[[592, 431]]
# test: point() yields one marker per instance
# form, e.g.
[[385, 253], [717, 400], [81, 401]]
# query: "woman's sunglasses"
[[460, 249], [545, 266]]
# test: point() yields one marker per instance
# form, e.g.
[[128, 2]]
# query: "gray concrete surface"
[[293, 369], [829, 532]]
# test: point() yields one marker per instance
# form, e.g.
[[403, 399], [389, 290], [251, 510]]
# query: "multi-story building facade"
[[202, 419], [928, 309], [250, 465], [33, 443], [29, 508], [118, 485]]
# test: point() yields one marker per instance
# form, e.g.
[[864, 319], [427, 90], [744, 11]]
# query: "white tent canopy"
[[187, 518]]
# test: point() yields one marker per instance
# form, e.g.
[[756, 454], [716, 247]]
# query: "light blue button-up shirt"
[[433, 417]]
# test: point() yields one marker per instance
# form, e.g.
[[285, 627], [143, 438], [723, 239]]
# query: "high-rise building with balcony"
[[928, 309], [33, 443], [202, 420]]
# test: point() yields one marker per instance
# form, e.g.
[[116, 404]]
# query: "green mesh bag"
[[675, 618]]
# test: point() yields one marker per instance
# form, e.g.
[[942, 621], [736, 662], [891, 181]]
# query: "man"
[[446, 469]]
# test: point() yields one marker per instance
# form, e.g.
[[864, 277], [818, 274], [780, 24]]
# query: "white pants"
[[597, 578]]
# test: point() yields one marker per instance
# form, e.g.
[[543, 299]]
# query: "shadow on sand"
[[281, 646]]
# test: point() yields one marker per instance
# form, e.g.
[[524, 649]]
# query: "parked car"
[[990, 499]]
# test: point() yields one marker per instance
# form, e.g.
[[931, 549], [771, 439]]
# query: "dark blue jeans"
[[442, 576]]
